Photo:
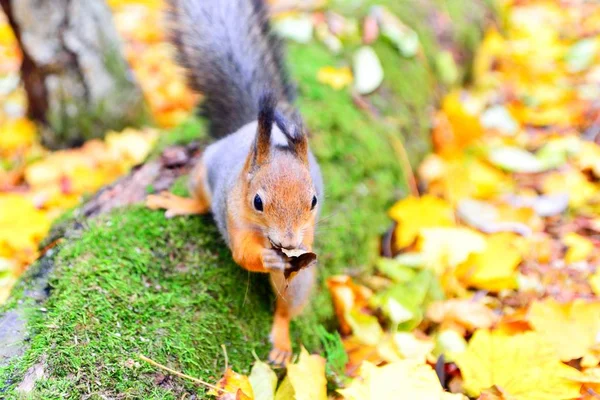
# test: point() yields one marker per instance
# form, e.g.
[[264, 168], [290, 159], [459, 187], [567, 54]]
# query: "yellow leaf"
[[346, 296], [466, 312], [594, 282], [463, 177], [495, 393], [572, 182], [364, 326], [579, 247], [414, 214], [337, 78], [413, 348], [21, 224], [132, 144], [307, 377], [450, 343], [492, 47], [449, 247], [456, 127], [263, 381], [285, 391], [494, 268], [524, 366], [236, 387], [405, 379], [588, 158], [16, 133], [572, 328]]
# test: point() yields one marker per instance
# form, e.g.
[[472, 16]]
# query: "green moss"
[[136, 283]]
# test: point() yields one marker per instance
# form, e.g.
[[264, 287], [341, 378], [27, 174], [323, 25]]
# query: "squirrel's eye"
[[314, 203], [258, 204]]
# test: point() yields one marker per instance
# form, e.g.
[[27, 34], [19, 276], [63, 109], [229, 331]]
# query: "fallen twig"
[[181, 375]]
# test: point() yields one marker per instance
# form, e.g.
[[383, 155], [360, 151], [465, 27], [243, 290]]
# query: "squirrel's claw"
[[279, 357], [174, 205], [274, 261]]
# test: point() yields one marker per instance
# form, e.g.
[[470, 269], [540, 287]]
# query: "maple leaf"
[[16, 134], [579, 247], [22, 226], [411, 347], [572, 328], [588, 158], [450, 343], [449, 247], [523, 366], [347, 296], [456, 126], [572, 182], [465, 312], [405, 379], [463, 176], [414, 214], [235, 387], [494, 267]]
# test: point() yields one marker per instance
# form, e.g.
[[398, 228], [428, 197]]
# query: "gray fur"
[[230, 56], [224, 161]]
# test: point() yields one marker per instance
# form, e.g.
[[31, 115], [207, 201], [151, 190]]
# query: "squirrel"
[[259, 179]]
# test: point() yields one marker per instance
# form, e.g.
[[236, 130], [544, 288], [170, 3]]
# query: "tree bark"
[[77, 81]]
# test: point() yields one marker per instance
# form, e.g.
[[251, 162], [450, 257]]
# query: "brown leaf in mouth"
[[298, 259]]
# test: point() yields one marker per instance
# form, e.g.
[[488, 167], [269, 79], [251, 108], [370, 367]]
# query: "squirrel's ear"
[[295, 134], [262, 144]]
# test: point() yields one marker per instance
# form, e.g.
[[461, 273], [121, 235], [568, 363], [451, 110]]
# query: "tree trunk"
[[77, 81]]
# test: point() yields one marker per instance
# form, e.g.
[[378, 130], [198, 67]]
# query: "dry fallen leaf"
[[346, 296], [524, 366], [298, 259], [579, 247], [413, 214], [285, 391], [449, 247], [465, 312], [263, 381], [494, 268], [236, 387], [572, 328], [307, 377], [456, 127], [406, 379]]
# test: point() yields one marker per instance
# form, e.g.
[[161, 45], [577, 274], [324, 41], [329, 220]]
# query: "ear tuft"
[[266, 108], [266, 112], [293, 129]]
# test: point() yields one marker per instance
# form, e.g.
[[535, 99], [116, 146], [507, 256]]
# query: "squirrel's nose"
[[285, 243]]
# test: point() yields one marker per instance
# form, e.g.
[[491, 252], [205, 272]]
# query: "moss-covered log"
[[131, 282]]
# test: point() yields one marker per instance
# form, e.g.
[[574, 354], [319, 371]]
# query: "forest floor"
[[488, 284]]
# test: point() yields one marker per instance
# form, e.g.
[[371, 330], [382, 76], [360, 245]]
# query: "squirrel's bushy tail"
[[231, 57]]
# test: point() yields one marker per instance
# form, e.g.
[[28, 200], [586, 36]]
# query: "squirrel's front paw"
[[274, 260]]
